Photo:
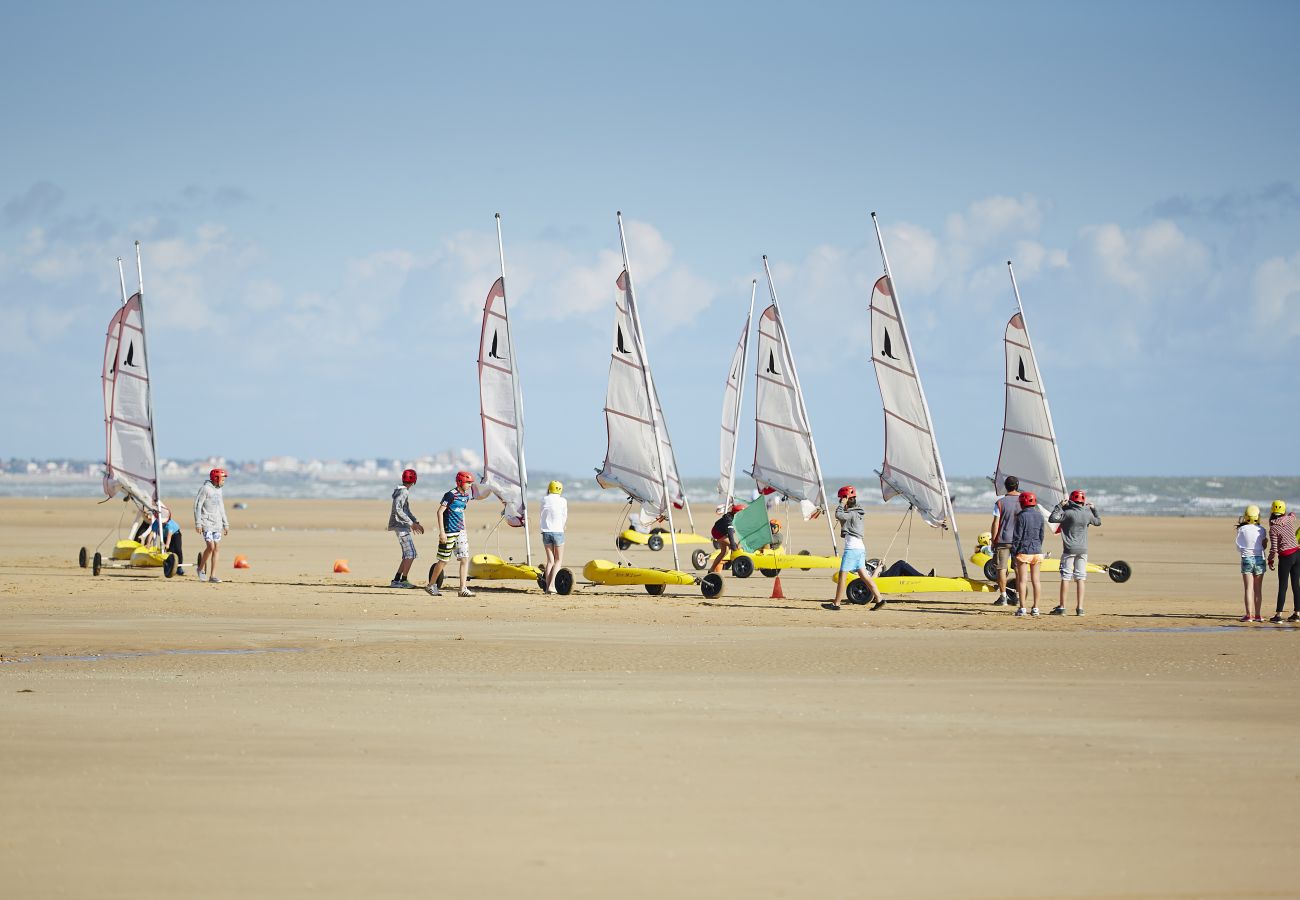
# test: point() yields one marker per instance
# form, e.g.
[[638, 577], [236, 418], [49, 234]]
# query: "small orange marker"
[[777, 593], [241, 562], [341, 567]]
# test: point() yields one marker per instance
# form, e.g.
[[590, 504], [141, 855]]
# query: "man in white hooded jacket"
[[210, 521]]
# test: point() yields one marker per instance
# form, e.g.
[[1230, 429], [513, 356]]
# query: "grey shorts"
[[1074, 567], [407, 543]]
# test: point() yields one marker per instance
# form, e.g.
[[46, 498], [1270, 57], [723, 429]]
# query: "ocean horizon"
[[1192, 496]]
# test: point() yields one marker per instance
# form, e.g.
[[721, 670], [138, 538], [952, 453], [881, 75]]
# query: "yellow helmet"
[[1251, 514], [555, 488], [984, 537], [1279, 507]]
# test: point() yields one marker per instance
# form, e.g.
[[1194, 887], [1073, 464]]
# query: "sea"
[[1193, 496]]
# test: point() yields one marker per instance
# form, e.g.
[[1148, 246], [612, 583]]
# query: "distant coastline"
[[292, 478]]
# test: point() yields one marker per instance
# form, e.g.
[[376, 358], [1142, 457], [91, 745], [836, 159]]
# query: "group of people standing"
[[453, 539], [1283, 553]]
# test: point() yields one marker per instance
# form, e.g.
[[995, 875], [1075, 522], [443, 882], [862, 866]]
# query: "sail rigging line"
[[765, 455], [885, 287], [733, 397], [1027, 428]]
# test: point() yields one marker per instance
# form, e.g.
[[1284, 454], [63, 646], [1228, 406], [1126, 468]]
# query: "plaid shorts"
[[456, 543], [407, 543]]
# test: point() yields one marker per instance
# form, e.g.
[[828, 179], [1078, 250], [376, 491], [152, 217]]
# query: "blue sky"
[[314, 185]]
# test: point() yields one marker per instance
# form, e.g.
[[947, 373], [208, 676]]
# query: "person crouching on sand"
[[851, 516], [554, 516], [402, 521], [1074, 516], [451, 534], [1027, 546], [210, 521], [724, 536], [1250, 545], [1282, 544]]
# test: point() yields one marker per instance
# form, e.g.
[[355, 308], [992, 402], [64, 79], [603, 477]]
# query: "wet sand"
[[293, 732]]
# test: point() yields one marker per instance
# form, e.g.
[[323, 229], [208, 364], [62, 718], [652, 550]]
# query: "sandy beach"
[[293, 732]]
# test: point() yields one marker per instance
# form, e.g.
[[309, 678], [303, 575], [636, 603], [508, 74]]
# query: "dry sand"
[[292, 732]]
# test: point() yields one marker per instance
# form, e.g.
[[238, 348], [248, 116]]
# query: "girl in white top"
[[555, 513], [1251, 540]]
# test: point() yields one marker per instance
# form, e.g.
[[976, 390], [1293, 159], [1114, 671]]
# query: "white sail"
[[732, 395], [130, 459], [631, 459], [1029, 450], [911, 466], [501, 408], [783, 451]]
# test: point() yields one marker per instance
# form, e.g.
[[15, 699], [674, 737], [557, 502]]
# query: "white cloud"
[[1276, 291], [1144, 261], [990, 220]]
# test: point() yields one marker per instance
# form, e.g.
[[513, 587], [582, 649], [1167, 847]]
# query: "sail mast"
[[1042, 386], [951, 516], [153, 439], [803, 409], [651, 396], [519, 399], [729, 489]]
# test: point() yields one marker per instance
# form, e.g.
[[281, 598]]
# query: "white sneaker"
[[1034, 611], [1021, 612], [432, 590], [466, 592], [1079, 611], [213, 579], [203, 576]]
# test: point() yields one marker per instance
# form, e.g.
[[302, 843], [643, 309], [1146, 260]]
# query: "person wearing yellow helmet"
[[1250, 544], [554, 516], [1285, 551]]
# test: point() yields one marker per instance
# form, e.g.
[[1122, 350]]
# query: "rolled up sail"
[[501, 408], [911, 467], [1029, 450], [130, 462], [631, 461]]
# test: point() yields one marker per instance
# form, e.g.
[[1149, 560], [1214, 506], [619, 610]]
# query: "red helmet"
[[215, 474], [409, 476], [848, 491], [1078, 497], [463, 477], [737, 507], [1028, 499]]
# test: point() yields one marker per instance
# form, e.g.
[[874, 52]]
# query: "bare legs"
[[554, 554]]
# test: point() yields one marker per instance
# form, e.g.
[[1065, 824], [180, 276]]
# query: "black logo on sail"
[[1020, 375], [492, 354], [771, 363], [130, 356], [888, 351], [618, 344]]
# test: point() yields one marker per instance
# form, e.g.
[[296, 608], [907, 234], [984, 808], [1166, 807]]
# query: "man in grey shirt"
[[1074, 516], [1004, 526]]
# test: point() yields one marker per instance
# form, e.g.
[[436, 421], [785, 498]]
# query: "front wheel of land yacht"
[[700, 559], [622, 543], [805, 553], [655, 541], [1119, 571], [742, 567], [711, 585], [991, 569], [96, 564], [858, 591], [654, 590], [169, 565], [83, 558]]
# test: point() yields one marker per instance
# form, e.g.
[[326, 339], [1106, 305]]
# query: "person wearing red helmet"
[[402, 521], [1074, 516], [725, 539], [1002, 528], [210, 521], [851, 518], [452, 539], [1027, 545]]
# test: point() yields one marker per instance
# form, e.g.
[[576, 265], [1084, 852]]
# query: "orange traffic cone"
[[341, 567], [241, 562], [777, 593]]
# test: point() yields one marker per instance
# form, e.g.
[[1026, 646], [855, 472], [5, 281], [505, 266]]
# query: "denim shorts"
[[852, 560], [407, 543], [1074, 567], [1252, 565], [552, 538]]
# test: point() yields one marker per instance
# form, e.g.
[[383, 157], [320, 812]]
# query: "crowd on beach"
[[1015, 538]]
